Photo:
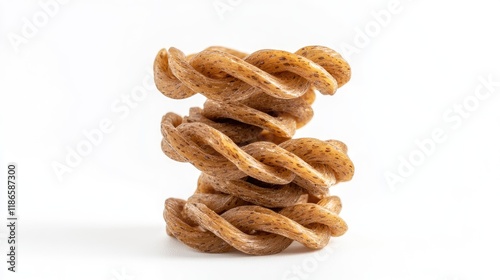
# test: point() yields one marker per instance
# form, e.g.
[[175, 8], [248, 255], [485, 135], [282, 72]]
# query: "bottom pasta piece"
[[215, 222]]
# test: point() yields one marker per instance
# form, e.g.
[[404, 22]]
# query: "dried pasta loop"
[[254, 229], [216, 154], [222, 74]]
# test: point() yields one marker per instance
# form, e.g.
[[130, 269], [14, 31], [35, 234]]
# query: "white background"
[[104, 219]]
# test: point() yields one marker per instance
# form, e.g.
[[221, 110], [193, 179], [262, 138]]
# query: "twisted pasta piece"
[[311, 163], [259, 189], [253, 229], [223, 74]]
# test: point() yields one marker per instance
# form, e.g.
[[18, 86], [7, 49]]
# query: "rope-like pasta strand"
[[254, 229], [222, 74]]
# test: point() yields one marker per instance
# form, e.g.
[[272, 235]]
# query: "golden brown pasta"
[[259, 189], [223, 74], [254, 229]]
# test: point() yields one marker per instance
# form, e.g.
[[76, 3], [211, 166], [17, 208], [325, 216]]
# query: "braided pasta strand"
[[254, 229], [221, 75]]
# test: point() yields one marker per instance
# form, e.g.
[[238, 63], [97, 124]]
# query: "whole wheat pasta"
[[259, 189], [254, 229], [223, 74]]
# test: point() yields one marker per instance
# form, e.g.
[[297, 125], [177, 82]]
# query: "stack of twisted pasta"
[[259, 189]]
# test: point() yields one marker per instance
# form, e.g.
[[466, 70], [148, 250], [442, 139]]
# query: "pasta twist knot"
[[224, 74], [252, 229]]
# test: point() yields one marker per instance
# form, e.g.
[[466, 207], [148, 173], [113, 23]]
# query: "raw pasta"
[[259, 189]]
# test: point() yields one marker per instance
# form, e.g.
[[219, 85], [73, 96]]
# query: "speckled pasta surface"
[[260, 189]]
